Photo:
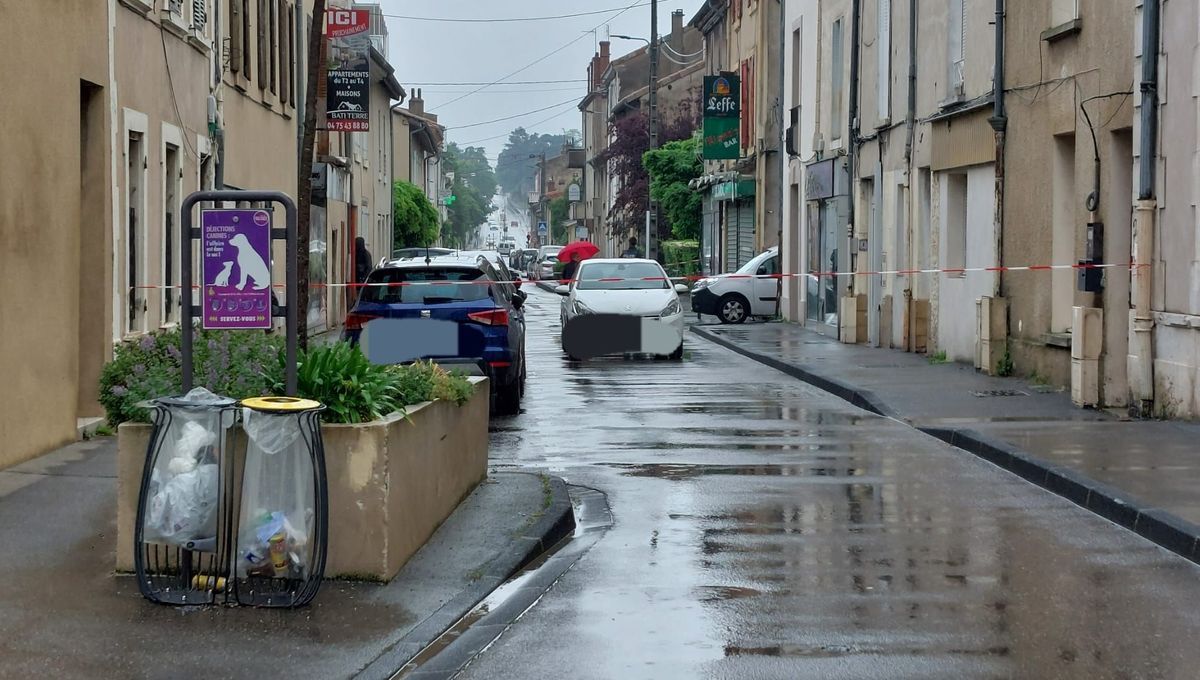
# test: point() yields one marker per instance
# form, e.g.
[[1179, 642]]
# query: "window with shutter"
[[199, 15], [262, 23], [273, 45], [236, 40], [247, 58], [838, 68]]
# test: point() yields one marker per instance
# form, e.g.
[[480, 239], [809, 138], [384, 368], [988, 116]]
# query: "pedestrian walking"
[[362, 260], [632, 251], [568, 272]]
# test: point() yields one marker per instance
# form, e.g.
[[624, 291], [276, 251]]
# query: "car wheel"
[[733, 308], [508, 399], [678, 353]]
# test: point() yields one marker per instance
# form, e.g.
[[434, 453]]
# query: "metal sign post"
[[287, 310]]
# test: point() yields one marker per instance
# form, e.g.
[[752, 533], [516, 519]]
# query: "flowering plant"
[[235, 365]]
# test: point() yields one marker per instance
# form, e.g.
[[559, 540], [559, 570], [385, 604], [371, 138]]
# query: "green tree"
[[671, 167], [516, 172], [473, 188], [560, 211], [414, 219]]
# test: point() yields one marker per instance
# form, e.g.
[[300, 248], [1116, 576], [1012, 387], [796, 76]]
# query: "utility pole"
[[316, 43], [652, 243]]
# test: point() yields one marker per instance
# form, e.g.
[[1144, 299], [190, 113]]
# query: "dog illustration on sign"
[[222, 279], [250, 264]]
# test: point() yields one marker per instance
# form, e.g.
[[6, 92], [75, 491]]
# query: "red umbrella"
[[585, 249]]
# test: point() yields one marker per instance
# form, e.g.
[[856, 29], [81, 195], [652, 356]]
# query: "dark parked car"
[[458, 311]]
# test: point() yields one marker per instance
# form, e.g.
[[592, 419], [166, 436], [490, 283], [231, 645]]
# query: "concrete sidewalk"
[[65, 614], [1144, 475]]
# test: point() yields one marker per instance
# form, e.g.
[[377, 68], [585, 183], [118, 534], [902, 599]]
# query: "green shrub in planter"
[[233, 364], [354, 390]]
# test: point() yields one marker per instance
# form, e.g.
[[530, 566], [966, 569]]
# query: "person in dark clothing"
[[632, 251], [362, 260], [568, 272]]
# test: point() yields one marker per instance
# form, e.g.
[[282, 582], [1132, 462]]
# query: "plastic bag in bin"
[[278, 498]]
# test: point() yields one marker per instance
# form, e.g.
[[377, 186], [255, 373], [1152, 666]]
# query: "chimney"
[[416, 105], [603, 49], [677, 29]]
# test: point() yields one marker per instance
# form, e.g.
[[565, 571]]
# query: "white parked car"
[[628, 287], [752, 290]]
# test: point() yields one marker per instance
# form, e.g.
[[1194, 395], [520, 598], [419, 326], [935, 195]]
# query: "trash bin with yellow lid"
[[283, 520]]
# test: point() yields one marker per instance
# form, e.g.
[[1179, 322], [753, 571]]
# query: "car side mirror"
[[518, 300], [682, 288], [562, 290]]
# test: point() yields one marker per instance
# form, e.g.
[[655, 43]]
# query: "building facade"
[[801, 21], [1164, 338]]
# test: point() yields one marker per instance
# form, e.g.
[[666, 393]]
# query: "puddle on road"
[[709, 594]]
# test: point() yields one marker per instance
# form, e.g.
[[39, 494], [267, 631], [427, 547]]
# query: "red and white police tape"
[[697, 277]]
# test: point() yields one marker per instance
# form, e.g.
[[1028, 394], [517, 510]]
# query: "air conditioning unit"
[[818, 142]]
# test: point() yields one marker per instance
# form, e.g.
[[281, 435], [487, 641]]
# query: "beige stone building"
[[744, 201], [1164, 339], [57, 206], [625, 86], [161, 98], [594, 109], [1069, 163]]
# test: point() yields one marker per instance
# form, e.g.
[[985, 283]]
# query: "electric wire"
[[517, 115], [513, 19], [541, 59]]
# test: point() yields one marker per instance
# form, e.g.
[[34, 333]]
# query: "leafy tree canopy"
[[516, 172], [414, 219], [630, 135], [670, 168], [473, 188]]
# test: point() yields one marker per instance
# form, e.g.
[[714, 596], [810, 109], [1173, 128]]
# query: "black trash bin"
[[183, 538]]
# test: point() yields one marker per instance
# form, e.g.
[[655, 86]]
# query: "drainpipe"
[[1141, 358], [911, 123], [999, 122], [852, 162], [784, 162]]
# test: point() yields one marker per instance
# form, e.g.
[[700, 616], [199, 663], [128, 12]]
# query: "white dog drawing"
[[222, 279], [250, 264]]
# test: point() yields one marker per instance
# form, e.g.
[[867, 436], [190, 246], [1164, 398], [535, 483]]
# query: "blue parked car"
[[461, 312]]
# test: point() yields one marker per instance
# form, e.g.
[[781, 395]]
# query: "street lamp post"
[[541, 192], [652, 107]]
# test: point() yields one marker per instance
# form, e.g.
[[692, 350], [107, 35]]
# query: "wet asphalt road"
[[764, 529]]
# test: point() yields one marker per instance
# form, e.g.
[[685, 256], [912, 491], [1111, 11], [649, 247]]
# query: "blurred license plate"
[[396, 341]]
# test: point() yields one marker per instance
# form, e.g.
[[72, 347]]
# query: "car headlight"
[[671, 309], [702, 283], [580, 308]]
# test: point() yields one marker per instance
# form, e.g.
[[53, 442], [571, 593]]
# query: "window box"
[[140, 6], [1062, 31]]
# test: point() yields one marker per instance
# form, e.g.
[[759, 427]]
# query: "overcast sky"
[[453, 52]]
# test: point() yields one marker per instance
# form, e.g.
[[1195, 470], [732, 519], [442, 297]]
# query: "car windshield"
[[437, 285], [751, 267], [419, 252], [625, 275], [550, 250]]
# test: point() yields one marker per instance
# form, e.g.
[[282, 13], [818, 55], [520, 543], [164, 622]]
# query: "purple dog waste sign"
[[237, 269]]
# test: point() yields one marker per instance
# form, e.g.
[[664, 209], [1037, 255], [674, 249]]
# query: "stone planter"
[[392, 482]]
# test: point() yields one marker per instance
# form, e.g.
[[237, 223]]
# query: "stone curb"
[[555, 524], [1156, 525]]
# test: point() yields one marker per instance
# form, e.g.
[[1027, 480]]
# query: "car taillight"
[[355, 322], [492, 317]]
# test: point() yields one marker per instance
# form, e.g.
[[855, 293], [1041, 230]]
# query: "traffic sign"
[[543, 229]]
